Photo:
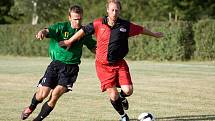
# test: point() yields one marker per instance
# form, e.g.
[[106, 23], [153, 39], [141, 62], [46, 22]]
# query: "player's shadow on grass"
[[183, 118], [187, 118]]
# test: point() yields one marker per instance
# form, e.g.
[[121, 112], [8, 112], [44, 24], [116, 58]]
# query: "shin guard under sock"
[[34, 102], [118, 106], [46, 109]]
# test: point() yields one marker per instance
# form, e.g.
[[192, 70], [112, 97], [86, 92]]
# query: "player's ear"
[[69, 17], [107, 6]]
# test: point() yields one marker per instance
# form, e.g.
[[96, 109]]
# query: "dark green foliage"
[[50, 11], [5, 6]]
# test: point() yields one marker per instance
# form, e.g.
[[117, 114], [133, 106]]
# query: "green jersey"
[[63, 31]]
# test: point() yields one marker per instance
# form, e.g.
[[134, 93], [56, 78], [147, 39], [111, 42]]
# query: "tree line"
[[49, 11]]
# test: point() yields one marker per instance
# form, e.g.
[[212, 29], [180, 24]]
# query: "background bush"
[[204, 36], [182, 41], [176, 45], [20, 40]]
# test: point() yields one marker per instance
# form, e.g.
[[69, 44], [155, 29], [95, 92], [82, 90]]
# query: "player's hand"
[[158, 34], [65, 43], [40, 35]]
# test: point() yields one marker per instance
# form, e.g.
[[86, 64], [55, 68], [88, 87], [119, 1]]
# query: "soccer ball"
[[146, 117]]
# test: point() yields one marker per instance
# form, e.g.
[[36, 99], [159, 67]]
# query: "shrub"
[[204, 36]]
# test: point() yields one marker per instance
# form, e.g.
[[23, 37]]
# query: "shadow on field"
[[187, 118], [183, 118]]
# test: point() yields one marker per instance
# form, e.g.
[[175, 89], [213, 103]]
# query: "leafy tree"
[[5, 6], [190, 10], [46, 10], [196, 9], [49, 11]]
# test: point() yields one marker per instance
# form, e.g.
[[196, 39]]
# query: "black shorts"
[[58, 73]]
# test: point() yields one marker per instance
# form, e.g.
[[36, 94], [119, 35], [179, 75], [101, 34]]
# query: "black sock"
[[34, 102], [118, 106], [122, 94], [46, 109]]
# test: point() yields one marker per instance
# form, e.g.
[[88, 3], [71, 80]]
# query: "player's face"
[[75, 20], [113, 11]]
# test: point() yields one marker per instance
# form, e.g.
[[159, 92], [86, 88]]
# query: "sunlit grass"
[[170, 90]]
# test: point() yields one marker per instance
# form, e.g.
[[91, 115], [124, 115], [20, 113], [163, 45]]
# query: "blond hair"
[[114, 1]]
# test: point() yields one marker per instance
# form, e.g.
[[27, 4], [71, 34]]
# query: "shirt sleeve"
[[88, 29], [89, 42], [53, 31], [135, 29]]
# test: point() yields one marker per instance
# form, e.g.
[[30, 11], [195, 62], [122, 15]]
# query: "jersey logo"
[[66, 35], [122, 30]]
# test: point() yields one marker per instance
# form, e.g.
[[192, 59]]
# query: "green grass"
[[172, 91]]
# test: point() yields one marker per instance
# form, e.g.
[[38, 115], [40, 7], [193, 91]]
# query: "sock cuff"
[[123, 115], [47, 106], [116, 101], [46, 109], [34, 102], [122, 94], [35, 99]]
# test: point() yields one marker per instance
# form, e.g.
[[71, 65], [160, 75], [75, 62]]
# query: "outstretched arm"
[[77, 36], [154, 34], [137, 29], [42, 34]]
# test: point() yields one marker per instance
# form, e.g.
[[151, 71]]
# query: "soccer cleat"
[[26, 113], [125, 118], [125, 104]]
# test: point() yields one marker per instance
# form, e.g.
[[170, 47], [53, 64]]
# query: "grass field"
[[172, 91]]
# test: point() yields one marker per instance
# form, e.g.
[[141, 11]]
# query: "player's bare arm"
[[42, 34], [77, 36], [154, 34]]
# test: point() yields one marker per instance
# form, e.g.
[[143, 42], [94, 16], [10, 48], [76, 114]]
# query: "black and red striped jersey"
[[112, 42]]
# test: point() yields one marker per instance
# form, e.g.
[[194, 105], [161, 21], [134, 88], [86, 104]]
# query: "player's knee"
[[128, 92], [42, 93], [41, 96]]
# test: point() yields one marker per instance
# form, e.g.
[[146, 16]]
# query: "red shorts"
[[113, 75]]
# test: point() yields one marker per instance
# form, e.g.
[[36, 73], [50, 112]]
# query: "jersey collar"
[[105, 21]]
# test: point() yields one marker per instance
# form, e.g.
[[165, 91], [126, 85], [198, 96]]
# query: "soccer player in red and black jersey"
[[112, 35]]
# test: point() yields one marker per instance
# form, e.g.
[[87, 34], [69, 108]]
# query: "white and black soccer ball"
[[146, 117]]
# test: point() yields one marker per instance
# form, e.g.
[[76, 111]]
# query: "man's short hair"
[[76, 9], [114, 1]]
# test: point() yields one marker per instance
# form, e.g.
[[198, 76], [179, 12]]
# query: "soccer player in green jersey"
[[63, 70]]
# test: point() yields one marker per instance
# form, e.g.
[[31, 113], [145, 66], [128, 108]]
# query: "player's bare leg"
[[48, 106], [126, 91], [38, 97], [117, 103]]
